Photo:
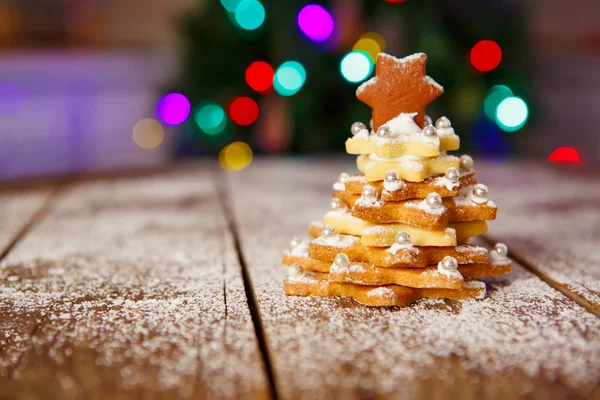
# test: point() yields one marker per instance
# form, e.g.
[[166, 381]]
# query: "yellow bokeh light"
[[235, 156], [371, 43], [148, 133]]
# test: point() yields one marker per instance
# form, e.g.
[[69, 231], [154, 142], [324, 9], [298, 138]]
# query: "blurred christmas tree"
[[475, 49]]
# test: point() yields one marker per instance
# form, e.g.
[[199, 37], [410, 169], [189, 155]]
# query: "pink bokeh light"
[[316, 22], [173, 108]]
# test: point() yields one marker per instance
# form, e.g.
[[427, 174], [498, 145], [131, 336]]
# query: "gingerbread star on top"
[[400, 86]]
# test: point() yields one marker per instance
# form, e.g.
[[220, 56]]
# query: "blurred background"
[[93, 85]]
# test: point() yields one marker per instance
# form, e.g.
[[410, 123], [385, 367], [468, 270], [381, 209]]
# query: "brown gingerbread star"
[[400, 86]]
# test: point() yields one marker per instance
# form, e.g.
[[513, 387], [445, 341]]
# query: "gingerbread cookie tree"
[[398, 231]]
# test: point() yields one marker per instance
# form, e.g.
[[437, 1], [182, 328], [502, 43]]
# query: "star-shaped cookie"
[[400, 86]]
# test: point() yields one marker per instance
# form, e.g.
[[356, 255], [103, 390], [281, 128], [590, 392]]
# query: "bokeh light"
[[243, 111], [13, 97], [235, 156], [148, 133], [493, 98], [250, 14], [564, 154], [230, 5], [512, 114], [259, 76], [371, 43], [289, 78], [173, 108], [316, 22], [211, 118], [356, 66], [486, 55]]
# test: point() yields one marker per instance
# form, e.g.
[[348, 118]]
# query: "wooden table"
[[169, 285]]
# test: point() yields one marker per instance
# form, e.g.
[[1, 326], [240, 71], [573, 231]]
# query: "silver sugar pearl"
[[384, 131], [466, 162], [402, 238], [357, 127], [327, 231], [452, 174], [449, 263], [336, 204], [434, 200], [295, 270], [368, 192], [341, 260], [442, 123], [501, 249], [295, 242], [429, 131], [428, 120], [344, 177], [481, 191], [391, 176]]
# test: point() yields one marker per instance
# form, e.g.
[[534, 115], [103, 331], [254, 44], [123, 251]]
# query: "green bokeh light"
[[493, 98], [289, 78], [356, 66], [250, 14], [512, 114], [211, 118]]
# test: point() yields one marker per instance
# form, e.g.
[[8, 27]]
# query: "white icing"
[[331, 241], [476, 199], [449, 273], [374, 157], [445, 131], [339, 186], [497, 258], [415, 166], [363, 134], [344, 241], [301, 249], [397, 246], [368, 202], [403, 129], [423, 206], [403, 124], [393, 186], [443, 181]]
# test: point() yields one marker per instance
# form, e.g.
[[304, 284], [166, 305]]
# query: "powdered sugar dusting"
[[423, 206], [135, 285], [343, 242], [523, 337]]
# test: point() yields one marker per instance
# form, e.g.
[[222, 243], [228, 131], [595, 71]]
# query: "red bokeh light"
[[243, 111], [564, 154], [486, 55], [395, 1], [259, 76]]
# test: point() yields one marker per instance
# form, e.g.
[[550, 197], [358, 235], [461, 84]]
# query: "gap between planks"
[[219, 179], [34, 219], [531, 267]]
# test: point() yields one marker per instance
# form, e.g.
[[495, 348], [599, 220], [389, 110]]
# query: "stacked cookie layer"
[[398, 231]]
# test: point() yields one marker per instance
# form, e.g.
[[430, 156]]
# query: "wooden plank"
[[18, 207], [524, 340], [550, 219], [129, 288]]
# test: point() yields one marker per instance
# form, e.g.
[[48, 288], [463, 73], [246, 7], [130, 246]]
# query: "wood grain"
[[129, 288], [525, 340], [550, 220]]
